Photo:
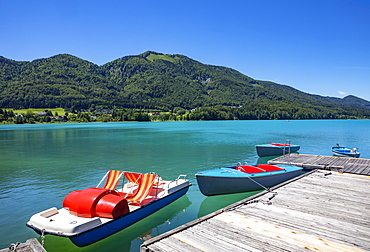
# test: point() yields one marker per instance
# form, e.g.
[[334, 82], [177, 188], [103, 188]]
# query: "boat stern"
[[61, 223], [178, 184]]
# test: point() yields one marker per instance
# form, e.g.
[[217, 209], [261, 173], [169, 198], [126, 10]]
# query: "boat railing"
[[287, 144], [101, 181], [229, 171], [240, 163], [180, 177]]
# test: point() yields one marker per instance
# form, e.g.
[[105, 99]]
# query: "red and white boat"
[[95, 213]]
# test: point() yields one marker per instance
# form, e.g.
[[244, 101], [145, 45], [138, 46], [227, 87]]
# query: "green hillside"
[[162, 82]]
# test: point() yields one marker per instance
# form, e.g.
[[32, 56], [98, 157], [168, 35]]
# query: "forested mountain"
[[158, 81]]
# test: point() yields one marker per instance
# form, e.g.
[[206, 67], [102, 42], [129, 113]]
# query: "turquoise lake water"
[[42, 163]]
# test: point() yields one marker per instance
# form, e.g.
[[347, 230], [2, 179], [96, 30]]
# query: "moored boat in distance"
[[95, 213], [341, 151], [244, 178], [276, 149]]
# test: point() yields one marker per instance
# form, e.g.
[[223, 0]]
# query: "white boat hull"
[[345, 152]]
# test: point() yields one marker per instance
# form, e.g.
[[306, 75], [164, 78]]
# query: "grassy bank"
[[59, 111]]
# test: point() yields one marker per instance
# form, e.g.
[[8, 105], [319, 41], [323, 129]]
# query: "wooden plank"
[[211, 236], [315, 219], [290, 236]]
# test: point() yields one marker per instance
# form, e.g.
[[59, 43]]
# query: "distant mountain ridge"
[[152, 81]]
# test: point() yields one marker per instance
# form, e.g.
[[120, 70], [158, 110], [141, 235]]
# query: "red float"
[[96, 202]]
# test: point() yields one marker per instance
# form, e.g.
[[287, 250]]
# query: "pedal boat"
[[95, 213], [244, 178]]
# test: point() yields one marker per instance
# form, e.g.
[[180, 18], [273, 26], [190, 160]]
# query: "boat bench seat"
[[268, 167], [258, 169]]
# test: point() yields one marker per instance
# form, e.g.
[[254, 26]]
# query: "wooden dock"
[[319, 211], [341, 164], [31, 245]]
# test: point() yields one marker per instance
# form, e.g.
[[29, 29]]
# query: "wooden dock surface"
[[319, 211], [31, 245], [342, 164]]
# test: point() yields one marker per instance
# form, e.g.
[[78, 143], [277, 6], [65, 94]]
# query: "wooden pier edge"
[[31, 245], [144, 246], [341, 164]]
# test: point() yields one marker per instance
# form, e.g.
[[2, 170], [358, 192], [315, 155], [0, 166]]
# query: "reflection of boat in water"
[[165, 219], [264, 160], [212, 204], [154, 225]]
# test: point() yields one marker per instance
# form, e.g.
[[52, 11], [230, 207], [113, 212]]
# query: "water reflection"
[[264, 160], [214, 203]]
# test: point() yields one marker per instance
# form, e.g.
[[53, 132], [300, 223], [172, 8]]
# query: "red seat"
[[268, 167], [258, 169], [133, 177], [249, 169], [279, 144]]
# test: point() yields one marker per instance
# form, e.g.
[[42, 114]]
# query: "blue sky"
[[316, 46]]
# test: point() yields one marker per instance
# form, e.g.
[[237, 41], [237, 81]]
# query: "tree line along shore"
[[31, 116]]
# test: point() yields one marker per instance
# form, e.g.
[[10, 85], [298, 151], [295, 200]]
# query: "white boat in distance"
[[341, 151]]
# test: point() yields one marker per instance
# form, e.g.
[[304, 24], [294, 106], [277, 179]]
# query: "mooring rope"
[[265, 202], [13, 246], [42, 237]]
